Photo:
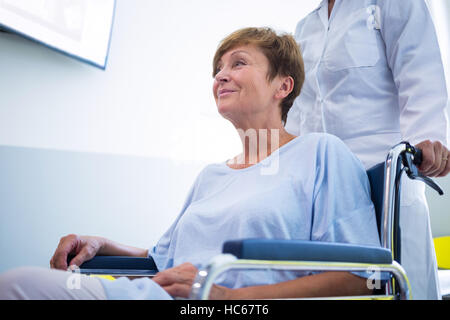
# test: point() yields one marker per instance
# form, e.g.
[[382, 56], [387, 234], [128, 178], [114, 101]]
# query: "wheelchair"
[[298, 255]]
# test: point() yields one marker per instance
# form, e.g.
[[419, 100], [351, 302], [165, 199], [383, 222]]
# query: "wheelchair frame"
[[205, 277], [401, 157]]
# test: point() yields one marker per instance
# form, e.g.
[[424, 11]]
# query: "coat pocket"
[[353, 45]]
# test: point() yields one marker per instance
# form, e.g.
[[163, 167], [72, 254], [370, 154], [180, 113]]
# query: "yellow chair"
[[442, 247]]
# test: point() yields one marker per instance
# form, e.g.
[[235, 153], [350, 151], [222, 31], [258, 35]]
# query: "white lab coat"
[[374, 78]]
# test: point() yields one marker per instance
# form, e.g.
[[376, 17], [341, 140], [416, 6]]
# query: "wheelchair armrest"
[[119, 265], [301, 250]]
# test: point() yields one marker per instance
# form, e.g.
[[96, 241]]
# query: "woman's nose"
[[222, 76]]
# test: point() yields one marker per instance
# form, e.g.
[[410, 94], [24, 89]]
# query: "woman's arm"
[[328, 284], [112, 248], [86, 247], [178, 281]]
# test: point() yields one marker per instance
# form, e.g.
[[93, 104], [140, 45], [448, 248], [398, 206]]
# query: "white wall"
[[46, 194], [155, 98]]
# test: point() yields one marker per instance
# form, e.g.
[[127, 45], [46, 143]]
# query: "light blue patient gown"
[[318, 191]]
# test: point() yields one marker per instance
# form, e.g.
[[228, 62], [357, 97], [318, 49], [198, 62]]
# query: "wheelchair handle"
[[418, 157], [412, 158]]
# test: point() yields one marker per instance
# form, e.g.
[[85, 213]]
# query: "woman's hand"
[[83, 247], [435, 161], [178, 281]]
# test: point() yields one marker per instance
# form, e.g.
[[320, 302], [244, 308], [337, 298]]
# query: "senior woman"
[[317, 191]]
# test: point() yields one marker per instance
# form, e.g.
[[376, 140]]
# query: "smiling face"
[[241, 84], [250, 59]]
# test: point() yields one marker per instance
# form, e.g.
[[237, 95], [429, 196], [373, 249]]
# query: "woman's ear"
[[285, 88]]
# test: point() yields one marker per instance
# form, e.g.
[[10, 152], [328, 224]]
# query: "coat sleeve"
[[413, 54]]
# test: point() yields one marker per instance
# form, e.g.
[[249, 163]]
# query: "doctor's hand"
[[178, 281], [83, 247], [435, 161]]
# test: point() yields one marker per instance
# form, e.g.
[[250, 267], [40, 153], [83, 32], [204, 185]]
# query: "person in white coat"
[[374, 78]]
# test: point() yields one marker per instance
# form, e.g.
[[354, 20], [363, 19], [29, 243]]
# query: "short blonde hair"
[[282, 51]]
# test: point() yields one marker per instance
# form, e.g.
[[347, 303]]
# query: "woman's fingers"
[[67, 245], [177, 281], [178, 290], [86, 253], [83, 247], [180, 274]]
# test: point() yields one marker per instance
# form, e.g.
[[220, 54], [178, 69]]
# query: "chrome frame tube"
[[389, 196], [390, 175], [205, 277]]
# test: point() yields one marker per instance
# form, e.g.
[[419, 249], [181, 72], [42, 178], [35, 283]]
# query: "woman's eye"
[[235, 64]]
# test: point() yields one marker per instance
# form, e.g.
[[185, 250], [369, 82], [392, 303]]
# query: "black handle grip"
[[418, 157], [413, 171]]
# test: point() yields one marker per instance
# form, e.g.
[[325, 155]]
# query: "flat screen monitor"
[[79, 28]]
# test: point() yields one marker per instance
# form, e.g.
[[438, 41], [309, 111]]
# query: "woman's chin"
[[224, 110]]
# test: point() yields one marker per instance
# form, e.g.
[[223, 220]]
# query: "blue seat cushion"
[[302, 250]]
